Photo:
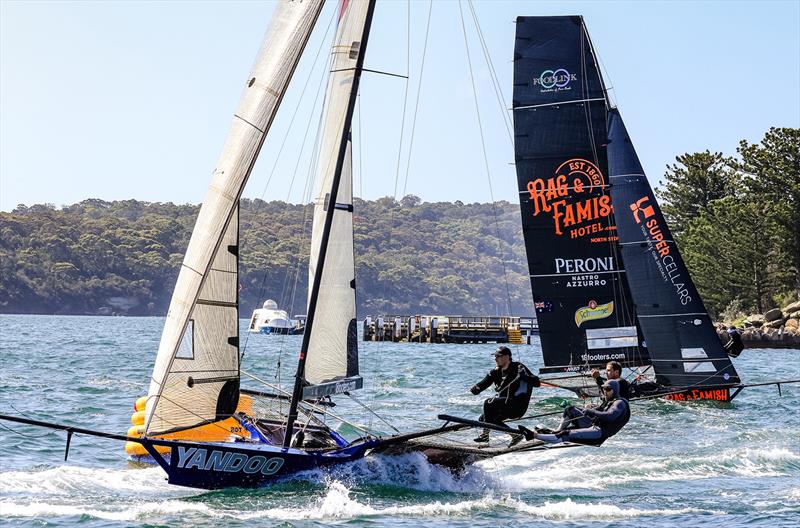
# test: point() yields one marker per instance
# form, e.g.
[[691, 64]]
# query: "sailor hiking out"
[[514, 384], [734, 346], [591, 426]]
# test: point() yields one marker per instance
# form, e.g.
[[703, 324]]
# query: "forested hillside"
[[123, 257], [736, 219]]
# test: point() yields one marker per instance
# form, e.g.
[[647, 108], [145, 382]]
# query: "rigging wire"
[[486, 163], [505, 111], [405, 95], [416, 102]]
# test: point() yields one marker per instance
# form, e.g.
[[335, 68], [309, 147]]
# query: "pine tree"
[[772, 171], [733, 251], [692, 184]]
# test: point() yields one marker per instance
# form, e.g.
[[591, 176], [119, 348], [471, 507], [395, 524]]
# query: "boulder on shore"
[[755, 320], [777, 323], [773, 315], [791, 308]]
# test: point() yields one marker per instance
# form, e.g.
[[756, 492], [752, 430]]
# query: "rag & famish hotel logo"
[[570, 196], [555, 80]]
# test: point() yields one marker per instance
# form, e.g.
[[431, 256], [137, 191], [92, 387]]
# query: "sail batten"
[[208, 273]]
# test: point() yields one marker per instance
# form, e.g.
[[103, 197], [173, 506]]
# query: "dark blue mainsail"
[[560, 128], [683, 344]]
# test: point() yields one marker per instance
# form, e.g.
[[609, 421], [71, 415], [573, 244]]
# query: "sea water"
[[675, 464]]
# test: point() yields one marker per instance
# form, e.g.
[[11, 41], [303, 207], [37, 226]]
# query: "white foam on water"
[[560, 469], [410, 470], [568, 509], [139, 511], [338, 504], [66, 480]]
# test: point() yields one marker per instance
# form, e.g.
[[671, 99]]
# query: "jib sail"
[[684, 348], [560, 126]]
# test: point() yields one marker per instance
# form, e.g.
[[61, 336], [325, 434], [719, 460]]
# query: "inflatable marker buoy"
[[137, 418], [220, 431], [136, 430], [140, 404]]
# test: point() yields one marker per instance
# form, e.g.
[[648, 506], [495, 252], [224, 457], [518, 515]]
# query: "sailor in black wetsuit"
[[514, 384], [591, 426], [734, 346], [614, 372]]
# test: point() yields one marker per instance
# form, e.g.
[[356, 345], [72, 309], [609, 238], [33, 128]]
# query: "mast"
[[359, 48]]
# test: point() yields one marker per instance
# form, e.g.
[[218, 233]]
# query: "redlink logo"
[[637, 207]]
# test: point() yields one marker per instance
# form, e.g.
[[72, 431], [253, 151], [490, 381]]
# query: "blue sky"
[[118, 100]]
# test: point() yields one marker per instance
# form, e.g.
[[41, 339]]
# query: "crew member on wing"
[[514, 384], [734, 346], [591, 426]]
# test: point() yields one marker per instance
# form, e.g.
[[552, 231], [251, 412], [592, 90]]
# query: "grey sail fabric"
[[283, 44], [332, 357], [203, 383]]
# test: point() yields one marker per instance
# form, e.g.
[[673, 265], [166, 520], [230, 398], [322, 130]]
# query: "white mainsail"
[[332, 354], [196, 374]]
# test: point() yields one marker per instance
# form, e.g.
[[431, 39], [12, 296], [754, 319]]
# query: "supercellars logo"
[[572, 199], [645, 215]]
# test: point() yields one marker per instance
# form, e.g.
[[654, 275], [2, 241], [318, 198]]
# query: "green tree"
[[733, 251], [692, 184], [772, 172]]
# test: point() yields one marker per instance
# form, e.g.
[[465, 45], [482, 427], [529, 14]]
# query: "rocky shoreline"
[[777, 328]]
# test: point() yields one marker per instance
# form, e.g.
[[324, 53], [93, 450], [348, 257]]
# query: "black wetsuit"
[[514, 386], [591, 426], [735, 345]]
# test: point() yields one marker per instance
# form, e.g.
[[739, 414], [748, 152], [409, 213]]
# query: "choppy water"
[[675, 464]]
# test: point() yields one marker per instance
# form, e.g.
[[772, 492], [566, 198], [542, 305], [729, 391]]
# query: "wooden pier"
[[450, 329]]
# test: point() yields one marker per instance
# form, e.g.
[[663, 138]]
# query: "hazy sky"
[[119, 100]]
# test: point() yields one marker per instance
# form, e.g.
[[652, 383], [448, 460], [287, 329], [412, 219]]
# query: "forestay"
[[684, 347], [582, 300], [196, 373], [332, 358]]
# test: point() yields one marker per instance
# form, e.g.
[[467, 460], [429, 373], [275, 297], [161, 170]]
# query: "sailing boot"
[[483, 437], [515, 439]]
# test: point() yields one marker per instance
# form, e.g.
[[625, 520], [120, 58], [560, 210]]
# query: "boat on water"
[[206, 430], [607, 278], [197, 421], [270, 320]]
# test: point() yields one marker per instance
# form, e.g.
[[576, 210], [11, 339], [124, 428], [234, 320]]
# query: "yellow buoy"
[[140, 404], [137, 418]]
